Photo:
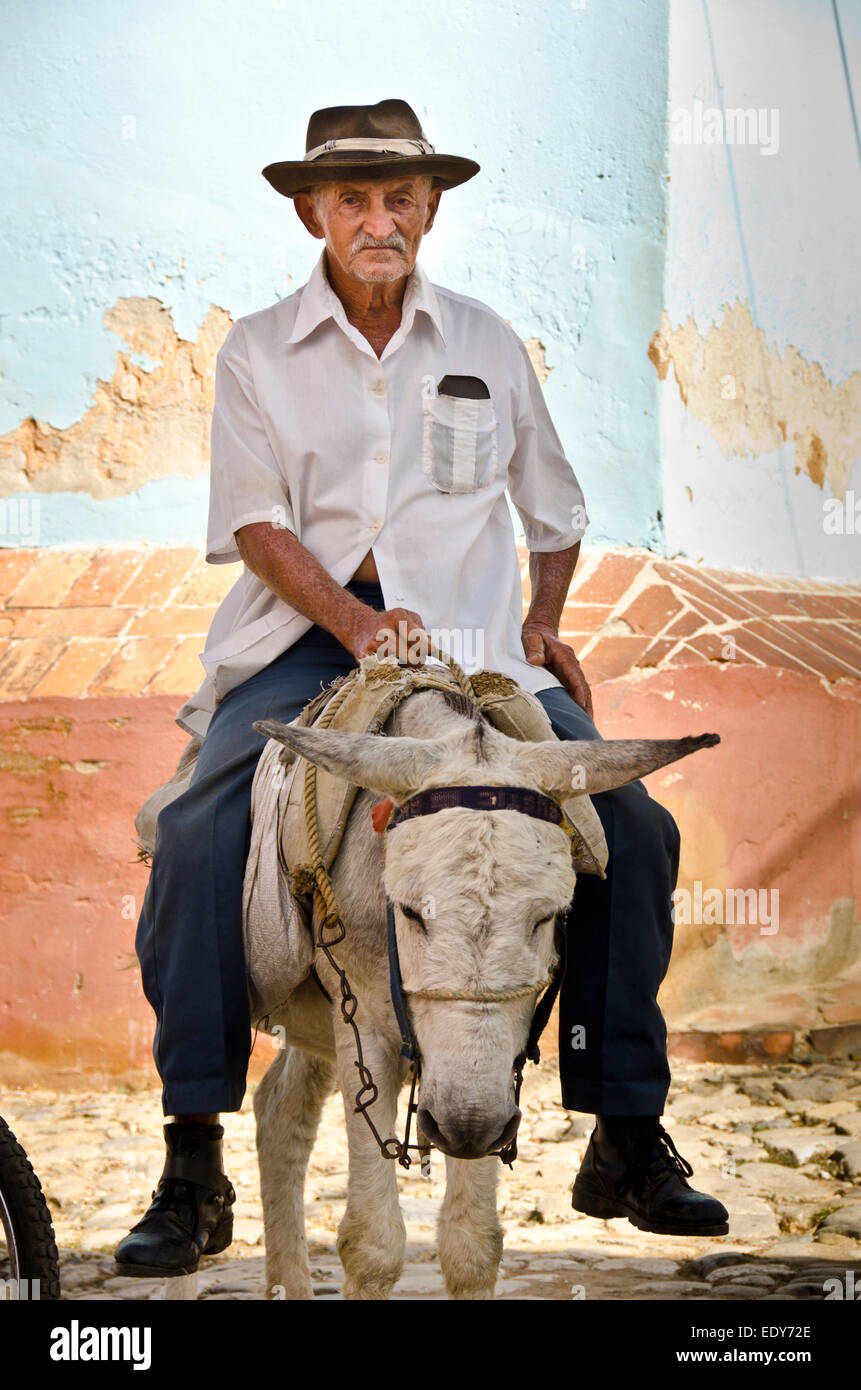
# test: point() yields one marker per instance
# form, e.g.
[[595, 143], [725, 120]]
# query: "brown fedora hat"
[[361, 142]]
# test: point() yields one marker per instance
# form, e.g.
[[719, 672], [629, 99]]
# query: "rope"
[[459, 674], [491, 996], [324, 892], [326, 902]]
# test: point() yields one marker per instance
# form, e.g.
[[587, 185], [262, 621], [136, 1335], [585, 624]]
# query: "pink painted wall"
[[759, 812], [74, 773]]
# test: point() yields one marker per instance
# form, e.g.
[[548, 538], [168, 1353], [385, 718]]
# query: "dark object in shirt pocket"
[[470, 388], [459, 435]]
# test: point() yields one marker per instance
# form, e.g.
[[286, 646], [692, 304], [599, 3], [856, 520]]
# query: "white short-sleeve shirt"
[[351, 452]]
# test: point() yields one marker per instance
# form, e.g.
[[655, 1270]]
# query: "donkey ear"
[[394, 767], [566, 767]]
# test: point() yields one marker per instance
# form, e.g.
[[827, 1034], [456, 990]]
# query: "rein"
[[331, 931]]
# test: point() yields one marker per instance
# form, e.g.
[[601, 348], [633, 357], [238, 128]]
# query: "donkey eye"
[[543, 921], [413, 916]]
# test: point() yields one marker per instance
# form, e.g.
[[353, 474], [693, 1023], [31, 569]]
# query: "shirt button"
[[381, 457], [380, 387], [375, 525]]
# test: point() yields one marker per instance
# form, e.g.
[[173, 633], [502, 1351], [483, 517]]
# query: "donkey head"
[[477, 896]]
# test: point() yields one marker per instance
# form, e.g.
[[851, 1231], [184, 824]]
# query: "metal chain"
[[330, 922], [368, 1091]]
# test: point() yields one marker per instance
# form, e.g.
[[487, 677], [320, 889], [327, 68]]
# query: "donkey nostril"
[[466, 1142], [452, 1140], [508, 1133], [430, 1129]]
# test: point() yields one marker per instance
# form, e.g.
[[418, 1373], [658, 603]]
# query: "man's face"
[[372, 227]]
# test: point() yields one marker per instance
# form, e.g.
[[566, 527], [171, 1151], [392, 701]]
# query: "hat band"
[[372, 143]]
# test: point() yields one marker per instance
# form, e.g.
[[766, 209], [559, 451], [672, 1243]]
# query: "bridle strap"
[[479, 798], [409, 1043], [544, 1007]]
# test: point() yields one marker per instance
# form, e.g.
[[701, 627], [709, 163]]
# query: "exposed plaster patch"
[[753, 399], [21, 763], [614, 627], [150, 421], [537, 355], [707, 971], [143, 424], [54, 724], [538, 358]]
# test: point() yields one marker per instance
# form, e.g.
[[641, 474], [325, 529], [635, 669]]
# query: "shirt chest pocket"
[[460, 449]]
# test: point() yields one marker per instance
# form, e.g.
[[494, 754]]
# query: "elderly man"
[[365, 501]]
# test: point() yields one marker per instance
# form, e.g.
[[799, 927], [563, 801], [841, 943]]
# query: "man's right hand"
[[397, 632], [284, 565]]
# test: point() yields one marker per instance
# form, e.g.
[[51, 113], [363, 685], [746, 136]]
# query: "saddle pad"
[[521, 715], [279, 950], [376, 689], [279, 953], [147, 817]]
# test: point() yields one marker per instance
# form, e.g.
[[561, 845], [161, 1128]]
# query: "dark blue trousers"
[[189, 937], [612, 1036]]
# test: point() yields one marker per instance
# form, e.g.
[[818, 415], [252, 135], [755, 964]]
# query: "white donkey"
[[476, 896]]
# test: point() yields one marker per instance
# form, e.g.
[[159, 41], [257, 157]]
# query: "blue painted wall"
[[132, 141], [776, 232]]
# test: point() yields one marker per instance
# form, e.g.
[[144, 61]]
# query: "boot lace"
[[655, 1154]]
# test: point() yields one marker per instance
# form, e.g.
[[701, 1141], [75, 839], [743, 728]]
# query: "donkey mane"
[[468, 709], [462, 704]]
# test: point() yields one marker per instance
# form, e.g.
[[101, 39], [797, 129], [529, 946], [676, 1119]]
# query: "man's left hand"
[[543, 648]]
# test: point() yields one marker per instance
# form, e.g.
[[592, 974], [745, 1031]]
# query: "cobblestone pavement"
[[780, 1147]]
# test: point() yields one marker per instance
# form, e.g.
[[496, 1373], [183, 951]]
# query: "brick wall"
[[132, 620], [98, 648]]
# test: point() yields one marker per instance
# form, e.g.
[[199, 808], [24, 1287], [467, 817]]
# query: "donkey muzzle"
[[474, 1138]]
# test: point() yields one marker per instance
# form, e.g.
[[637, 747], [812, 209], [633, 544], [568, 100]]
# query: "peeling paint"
[[538, 357], [754, 399], [144, 424], [55, 724], [707, 971], [150, 421], [23, 764]]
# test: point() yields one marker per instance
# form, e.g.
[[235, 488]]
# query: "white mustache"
[[395, 242]]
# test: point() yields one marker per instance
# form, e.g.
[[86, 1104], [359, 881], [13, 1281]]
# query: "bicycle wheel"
[[31, 1267]]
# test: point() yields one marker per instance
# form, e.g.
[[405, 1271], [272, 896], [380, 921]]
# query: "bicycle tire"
[[26, 1220]]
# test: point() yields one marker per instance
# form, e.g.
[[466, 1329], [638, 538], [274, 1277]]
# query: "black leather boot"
[[191, 1211], [632, 1168]]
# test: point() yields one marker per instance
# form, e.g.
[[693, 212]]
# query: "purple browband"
[[524, 799]]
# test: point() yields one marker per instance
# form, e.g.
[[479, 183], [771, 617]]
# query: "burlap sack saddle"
[[278, 946]]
